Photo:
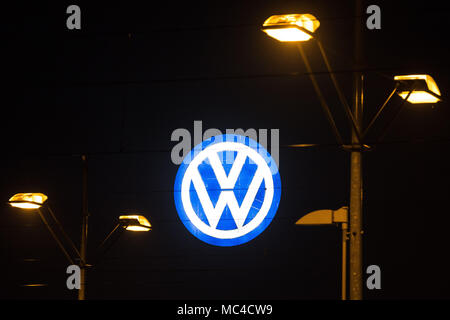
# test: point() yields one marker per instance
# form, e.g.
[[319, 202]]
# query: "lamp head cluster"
[[31, 200], [415, 88]]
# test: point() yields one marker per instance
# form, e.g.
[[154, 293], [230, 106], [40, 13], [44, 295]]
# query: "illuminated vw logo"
[[227, 190]]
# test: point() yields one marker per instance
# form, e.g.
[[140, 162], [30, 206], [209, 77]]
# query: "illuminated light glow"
[[135, 222], [28, 200], [285, 27], [25, 205], [137, 228], [288, 34], [193, 195], [35, 285], [420, 96]]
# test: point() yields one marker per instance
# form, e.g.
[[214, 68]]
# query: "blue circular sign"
[[227, 190]]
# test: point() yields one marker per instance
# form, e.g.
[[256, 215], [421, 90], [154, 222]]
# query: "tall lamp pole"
[[413, 88], [356, 186], [84, 231]]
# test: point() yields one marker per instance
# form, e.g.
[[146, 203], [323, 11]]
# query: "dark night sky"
[[134, 73]]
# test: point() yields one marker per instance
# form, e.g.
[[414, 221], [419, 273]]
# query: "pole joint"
[[356, 147]]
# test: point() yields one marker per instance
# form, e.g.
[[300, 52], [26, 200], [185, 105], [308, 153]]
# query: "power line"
[[156, 221], [107, 83], [163, 150], [379, 143], [85, 33], [188, 28]]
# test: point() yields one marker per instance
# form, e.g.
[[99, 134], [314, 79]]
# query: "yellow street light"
[[324, 217], [291, 27], [36, 201], [424, 88], [135, 223], [27, 200], [328, 217]]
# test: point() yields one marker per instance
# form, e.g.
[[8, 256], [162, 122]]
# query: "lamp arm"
[[108, 236], [107, 243], [399, 109], [322, 100], [55, 237], [65, 235], [375, 117]]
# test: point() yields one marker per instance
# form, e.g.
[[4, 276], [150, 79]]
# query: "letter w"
[[227, 196]]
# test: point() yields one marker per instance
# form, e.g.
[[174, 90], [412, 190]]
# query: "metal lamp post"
[[300, 28]]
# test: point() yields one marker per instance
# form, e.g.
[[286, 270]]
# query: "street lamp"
[[27, 200], [135, 223], [291, 27], [36, 201], [425, 88], [328, 217], [414, 89]]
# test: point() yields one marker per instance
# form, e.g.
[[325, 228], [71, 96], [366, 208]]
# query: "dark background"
[[116, 89]]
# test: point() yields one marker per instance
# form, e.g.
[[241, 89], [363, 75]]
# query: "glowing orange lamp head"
[[135, 223], [291, 27], [27, 200]]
